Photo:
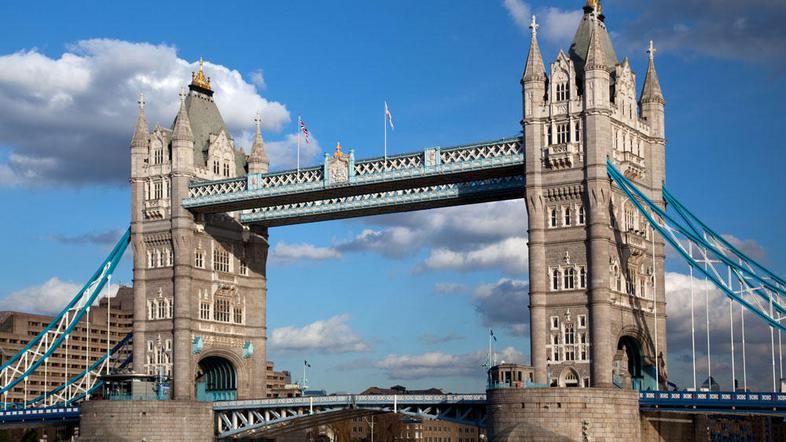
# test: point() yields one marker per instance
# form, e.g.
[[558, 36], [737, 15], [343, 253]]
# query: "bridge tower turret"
[[593, 285], [199, 280]]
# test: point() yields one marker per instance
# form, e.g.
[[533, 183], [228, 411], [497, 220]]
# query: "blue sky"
[[407, 298]]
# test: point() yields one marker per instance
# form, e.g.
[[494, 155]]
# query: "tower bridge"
[[590, 167]]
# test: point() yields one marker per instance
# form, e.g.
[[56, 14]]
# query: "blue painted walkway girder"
[[342, 178]]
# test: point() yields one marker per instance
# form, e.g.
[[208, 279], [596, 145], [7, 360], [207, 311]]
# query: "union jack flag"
[[304, 129]]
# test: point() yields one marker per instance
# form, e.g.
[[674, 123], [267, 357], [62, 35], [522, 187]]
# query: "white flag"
[[387, 114]]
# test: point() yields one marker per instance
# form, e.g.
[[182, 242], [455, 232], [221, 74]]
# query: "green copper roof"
[[580, 45]]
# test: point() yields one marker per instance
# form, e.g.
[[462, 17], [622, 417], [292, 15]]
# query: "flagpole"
[[299, 122], [385, 125]]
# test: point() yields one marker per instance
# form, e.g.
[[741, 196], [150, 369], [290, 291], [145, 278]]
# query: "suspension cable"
[[707, 308], [692, 321], [744, 362], [655, 311], [772, 345], [731, 337], [108, 315]]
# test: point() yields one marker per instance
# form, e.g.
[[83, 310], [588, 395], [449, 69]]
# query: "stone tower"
[[199, 281], [597, 303]]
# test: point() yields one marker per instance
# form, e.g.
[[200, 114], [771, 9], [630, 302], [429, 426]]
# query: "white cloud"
[[60, 116], [519, 11], [556, 25], [48, 298], [333, 335], [559, 26], [505, 304], [392, 242], [283, 252], [509, 255], [448, 288], [749, 247], [439, 364]]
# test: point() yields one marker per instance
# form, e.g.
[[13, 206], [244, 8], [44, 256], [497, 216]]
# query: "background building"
[[84, 346]]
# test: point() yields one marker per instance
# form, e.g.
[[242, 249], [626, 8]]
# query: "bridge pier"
[[563, 414], [147, 420]]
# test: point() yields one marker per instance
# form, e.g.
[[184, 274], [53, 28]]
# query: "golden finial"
[[198, 79], [338, 148], [594, 5]]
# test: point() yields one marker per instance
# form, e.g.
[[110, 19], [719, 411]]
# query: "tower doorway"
[[216, 380]]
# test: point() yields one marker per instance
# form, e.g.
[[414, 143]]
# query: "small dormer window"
[[563, 91], [226, 169], [216, 168]]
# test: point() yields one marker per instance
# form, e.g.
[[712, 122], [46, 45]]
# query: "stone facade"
[[151, 421], [563, 414], [592, 289], [199, 281]]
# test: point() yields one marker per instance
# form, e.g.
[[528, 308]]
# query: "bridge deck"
[[342, 187]]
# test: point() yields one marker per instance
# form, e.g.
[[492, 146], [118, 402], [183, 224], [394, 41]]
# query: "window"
[[162, 309], [199, 258], [583, 346], [570, 334], [159, 259], [563, 133], [555, 322], [563, 92], [204, 310], [158, 191], [150, 259], [238, 315], [629, 220], [581, 216], [555, 279], [568, 216], [555, 348], [570, 279], [221, 310], [158, 156], [577, 128], [149, 345], [226, 169], [220, 259], [550, 135], [216, 167], [170, 258], [582, 277], [243, 268], [582, 321], [553, 222]]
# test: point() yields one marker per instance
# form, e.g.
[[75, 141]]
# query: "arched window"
[[582, 219], [568, 216], [563, 91], [570, 278], [555, 279], [583, 277], [162, 308], [553, 217]]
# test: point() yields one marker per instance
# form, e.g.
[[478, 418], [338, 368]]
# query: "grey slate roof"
[[205, 120], [580, 46]]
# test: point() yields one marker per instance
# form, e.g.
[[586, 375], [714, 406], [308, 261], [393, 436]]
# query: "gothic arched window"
[[570, 278], [553, 217], [555, 279], [583, 277], [568, 216]]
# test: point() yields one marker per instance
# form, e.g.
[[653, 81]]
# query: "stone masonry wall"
[[149, 421], [563, 414]]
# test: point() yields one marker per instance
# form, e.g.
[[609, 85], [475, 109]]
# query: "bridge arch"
[[219, 375], [569, 378]]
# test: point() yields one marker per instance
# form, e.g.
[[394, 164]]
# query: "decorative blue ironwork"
[[343, 170], [726, 402], [389, 199], [197, 344]]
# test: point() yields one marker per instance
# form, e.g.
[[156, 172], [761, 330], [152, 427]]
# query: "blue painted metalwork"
[[81, 302], [726, 402], [56, 414], [197, 345], [238, 417], [742, 270], [389, 199], [406, 168], [248, 349]]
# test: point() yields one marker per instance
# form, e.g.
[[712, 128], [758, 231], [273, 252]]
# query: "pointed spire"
[[182, 130], [140, 133], [535, 70], [651, 91], [596, 57], [258, 160]]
